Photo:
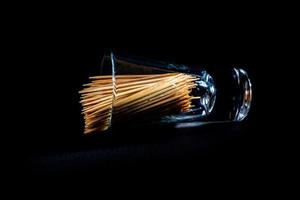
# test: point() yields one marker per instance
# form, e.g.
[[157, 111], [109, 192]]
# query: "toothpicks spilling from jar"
[[131, 97]]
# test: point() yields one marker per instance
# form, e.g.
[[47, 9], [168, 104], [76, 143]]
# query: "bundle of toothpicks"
[[125, 98]]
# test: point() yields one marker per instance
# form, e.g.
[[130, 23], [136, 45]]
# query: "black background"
[[55, 47], [56, 145], [59, 59]]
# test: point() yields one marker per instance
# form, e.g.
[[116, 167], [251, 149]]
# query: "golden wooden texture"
[[130, 96]]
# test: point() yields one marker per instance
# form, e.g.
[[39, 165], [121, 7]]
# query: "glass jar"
[[131, 91]]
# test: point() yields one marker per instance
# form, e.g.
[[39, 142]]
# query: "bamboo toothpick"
[[132, 96]]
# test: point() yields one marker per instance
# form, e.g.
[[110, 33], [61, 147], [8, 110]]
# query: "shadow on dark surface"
[[141, 148]]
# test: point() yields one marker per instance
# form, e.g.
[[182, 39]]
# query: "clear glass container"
[[130, 91]]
